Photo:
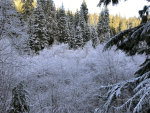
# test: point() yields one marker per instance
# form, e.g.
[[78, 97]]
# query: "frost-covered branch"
[[129, 39], [139, 89]]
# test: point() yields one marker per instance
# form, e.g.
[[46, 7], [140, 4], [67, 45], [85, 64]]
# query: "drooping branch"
[[128, 40], [140, 89], [107, 2]]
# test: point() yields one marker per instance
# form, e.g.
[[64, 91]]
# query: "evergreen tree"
[[85, 11], [84, 27], [70, 19], [27, 8], [61, 18], [94, 37], [71, 29], [76, 19], [86, 34], [103, 27], [38, 37], [78, 38], [51, 22], [19, 100], [67, 32]]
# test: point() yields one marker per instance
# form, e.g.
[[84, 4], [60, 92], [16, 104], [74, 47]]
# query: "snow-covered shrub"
[[62, 80], [128, 96], [9, 65]]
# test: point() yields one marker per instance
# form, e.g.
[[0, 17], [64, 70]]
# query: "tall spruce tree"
[[71, 28], [70, 19], [76, 19], [78, 38], [61, 19], [85, 11], [51, 22], [27, 8], [132, 95], [94, 36], [103, 27], [84, 25], [38, 36], [67, 31]]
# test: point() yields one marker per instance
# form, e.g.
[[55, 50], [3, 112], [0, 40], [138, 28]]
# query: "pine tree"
[[61, 18], [94, 37], [84, 27], [71, 23], [38, 37], [19, 100], [51, 22], [86, 36], [103, 27], [85, 11], [132, 95], [76, 19], [27, 8], [70, 29], [78, 38], [67, 32]]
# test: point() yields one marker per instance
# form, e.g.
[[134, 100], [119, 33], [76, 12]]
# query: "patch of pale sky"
[[127, 9]]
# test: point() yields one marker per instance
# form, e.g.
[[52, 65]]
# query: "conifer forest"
[[55, 60]]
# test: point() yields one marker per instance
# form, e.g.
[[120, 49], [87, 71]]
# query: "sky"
[[127, 9]]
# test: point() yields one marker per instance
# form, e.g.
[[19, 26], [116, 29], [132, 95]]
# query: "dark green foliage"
[[76, 19], [50, 16], [38, 36], [145, 67], [103, 28], [67, 31], [70, 29], [85, 11], [84, 26], [94, 37], [43, 26], [106, 2], [27, 8], [19, 100], [134, 38], [144, 14], [78, 38], [61, 19]]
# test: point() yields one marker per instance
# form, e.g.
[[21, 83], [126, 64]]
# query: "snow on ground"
[[60, 79], [70, 76]]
